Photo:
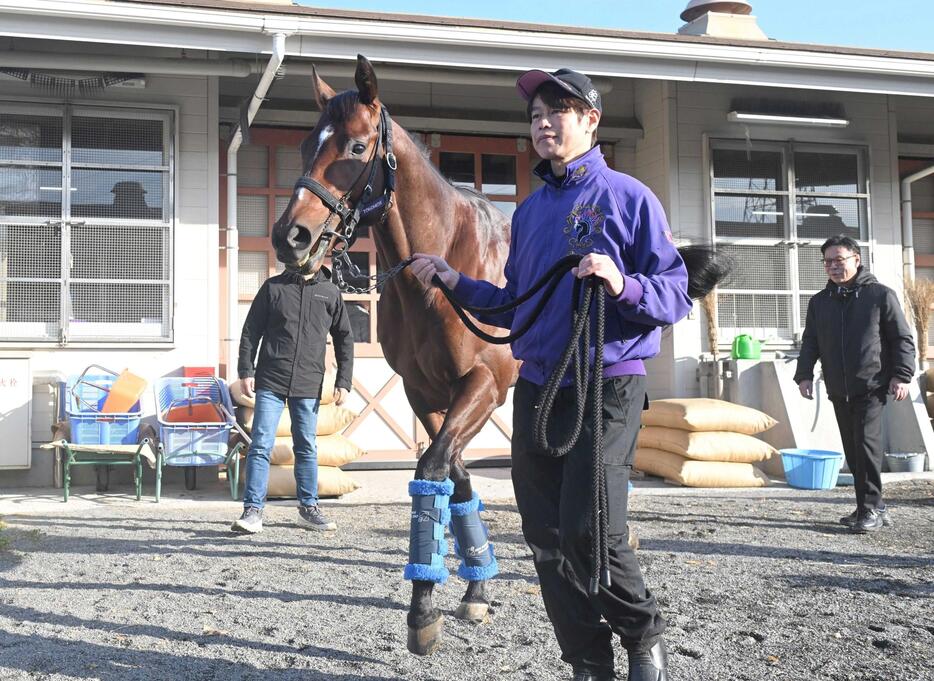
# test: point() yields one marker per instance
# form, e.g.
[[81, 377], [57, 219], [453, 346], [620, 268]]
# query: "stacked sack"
[[334, 450], [703, 443]]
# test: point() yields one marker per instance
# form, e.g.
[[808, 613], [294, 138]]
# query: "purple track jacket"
[[592, 209]]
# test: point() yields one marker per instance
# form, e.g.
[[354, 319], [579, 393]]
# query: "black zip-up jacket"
[[860, 336], [293, 316]]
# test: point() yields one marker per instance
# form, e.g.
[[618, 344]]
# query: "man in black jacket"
[[292, 313], [856, 328]]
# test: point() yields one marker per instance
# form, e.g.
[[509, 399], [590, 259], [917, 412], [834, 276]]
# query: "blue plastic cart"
[[201, 441]]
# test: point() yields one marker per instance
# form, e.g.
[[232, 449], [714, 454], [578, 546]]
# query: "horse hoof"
[[633, 539], [425, 641], [472, 611]]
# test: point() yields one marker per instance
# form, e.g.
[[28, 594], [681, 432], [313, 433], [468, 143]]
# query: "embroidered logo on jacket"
[[581, 224]]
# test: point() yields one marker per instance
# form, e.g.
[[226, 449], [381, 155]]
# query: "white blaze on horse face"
[[324, 137]]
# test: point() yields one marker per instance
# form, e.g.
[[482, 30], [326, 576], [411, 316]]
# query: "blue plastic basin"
[[811, 468]]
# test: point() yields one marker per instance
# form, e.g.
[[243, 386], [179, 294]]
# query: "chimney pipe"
[[719, 19]]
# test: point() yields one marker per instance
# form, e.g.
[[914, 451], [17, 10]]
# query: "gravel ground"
[[754, 587]]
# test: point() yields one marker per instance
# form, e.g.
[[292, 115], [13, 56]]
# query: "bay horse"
[[453, 380]]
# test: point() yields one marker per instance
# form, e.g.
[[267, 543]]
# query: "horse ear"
[[323, 92], [365, 78]]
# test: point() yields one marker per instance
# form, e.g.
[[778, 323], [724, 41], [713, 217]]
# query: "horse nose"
[[299, 237]]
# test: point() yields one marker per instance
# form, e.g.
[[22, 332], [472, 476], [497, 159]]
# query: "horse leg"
[[424, 620], [468, 412], [475, 604]]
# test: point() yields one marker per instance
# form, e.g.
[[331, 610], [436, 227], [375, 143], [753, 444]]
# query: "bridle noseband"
[[350, 216]]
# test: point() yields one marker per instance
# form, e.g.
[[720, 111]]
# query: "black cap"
[[576, 84]]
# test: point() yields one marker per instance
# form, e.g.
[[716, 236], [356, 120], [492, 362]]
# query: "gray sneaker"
[[313, 518], [250, 522], [853, 518]]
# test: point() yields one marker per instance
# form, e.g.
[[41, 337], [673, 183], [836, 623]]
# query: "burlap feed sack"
[[332, 482], [331, 419], [238, 396], [683, 471], [327, 390], [713, 445], [703, 414], [333, 450]]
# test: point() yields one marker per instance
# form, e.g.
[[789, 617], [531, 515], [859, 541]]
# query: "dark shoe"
[[649, 665], [870, 521], [313, 518], [250, 522], [850, 520], [590, 675]]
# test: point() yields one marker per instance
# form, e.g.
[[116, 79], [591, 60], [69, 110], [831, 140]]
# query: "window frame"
[[66, 111], [790, 239]]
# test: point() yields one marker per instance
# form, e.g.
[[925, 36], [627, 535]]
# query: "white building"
[[116, 118]]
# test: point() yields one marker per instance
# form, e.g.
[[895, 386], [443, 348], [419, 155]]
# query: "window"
[[773, 205], [85, 224]]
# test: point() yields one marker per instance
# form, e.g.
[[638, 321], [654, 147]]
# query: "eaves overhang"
[[470, 46]]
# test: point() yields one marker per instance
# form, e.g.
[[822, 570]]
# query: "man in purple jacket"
[[620, 229]]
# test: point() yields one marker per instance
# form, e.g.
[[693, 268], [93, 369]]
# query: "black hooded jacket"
[[860, 336], [293, 317]]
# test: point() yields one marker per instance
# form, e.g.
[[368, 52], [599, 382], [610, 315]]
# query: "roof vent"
[[721, 20]]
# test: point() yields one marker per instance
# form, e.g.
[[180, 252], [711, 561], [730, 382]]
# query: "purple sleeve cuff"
[[465, 289], [632, 291]]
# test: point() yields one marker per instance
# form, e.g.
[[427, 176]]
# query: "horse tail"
[[706, 268]]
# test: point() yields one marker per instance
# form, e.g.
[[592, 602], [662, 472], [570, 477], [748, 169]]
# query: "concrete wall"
[[195, 267]]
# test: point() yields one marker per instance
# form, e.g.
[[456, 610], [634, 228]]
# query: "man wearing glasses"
[[856, 328]]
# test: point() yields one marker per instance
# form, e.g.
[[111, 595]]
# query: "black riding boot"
[[649, 665]]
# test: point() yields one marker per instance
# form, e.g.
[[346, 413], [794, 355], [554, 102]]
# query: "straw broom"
[[709, 305], [919, 298]]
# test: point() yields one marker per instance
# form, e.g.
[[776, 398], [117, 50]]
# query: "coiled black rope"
[[577, 350]]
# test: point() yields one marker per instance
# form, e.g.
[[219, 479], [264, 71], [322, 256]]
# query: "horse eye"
[[358, 148]]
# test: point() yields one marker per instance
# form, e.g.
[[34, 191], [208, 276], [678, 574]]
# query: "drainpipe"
[[908, 244], [233, 331]]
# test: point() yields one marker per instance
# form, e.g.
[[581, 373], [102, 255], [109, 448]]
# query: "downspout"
[[233, 331], [908, 244]]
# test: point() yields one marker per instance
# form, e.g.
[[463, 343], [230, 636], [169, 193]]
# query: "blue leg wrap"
[[427, 546], [478, 563]]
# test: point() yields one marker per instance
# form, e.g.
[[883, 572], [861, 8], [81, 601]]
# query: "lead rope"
[[577, 350]]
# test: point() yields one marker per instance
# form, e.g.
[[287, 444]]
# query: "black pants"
[[554, 499], [860, 422]]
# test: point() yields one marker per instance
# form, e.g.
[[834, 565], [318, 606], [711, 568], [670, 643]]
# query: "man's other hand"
[[249, 386], [340, 395], [601, 266], [807, 389], [898, 389]]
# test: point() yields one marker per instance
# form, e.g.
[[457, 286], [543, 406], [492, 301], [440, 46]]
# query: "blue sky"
[[892, 24]]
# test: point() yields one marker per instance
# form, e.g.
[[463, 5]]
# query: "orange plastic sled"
[[125, 391], [194, 413]]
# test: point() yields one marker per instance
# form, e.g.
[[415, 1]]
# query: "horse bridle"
[[339, 206]]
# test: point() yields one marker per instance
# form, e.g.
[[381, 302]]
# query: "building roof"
[[303, 10]]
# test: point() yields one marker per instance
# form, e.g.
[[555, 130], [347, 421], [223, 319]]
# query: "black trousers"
[[860, 422], [554, 500]]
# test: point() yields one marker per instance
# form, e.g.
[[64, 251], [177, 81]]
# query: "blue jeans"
[[304, 414]]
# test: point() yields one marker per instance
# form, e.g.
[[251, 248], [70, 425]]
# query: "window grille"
[[773, 205], [86, 213]]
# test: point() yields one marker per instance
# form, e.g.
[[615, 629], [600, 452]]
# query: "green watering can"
[[746, 347]]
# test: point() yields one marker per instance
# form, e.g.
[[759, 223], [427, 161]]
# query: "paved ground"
[[760, 584]]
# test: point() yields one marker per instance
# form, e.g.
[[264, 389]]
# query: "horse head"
[[347, 160]]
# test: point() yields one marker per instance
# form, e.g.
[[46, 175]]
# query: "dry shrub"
[[919, 298]]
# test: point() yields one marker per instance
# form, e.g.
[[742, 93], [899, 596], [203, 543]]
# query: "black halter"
[[364, 208]]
